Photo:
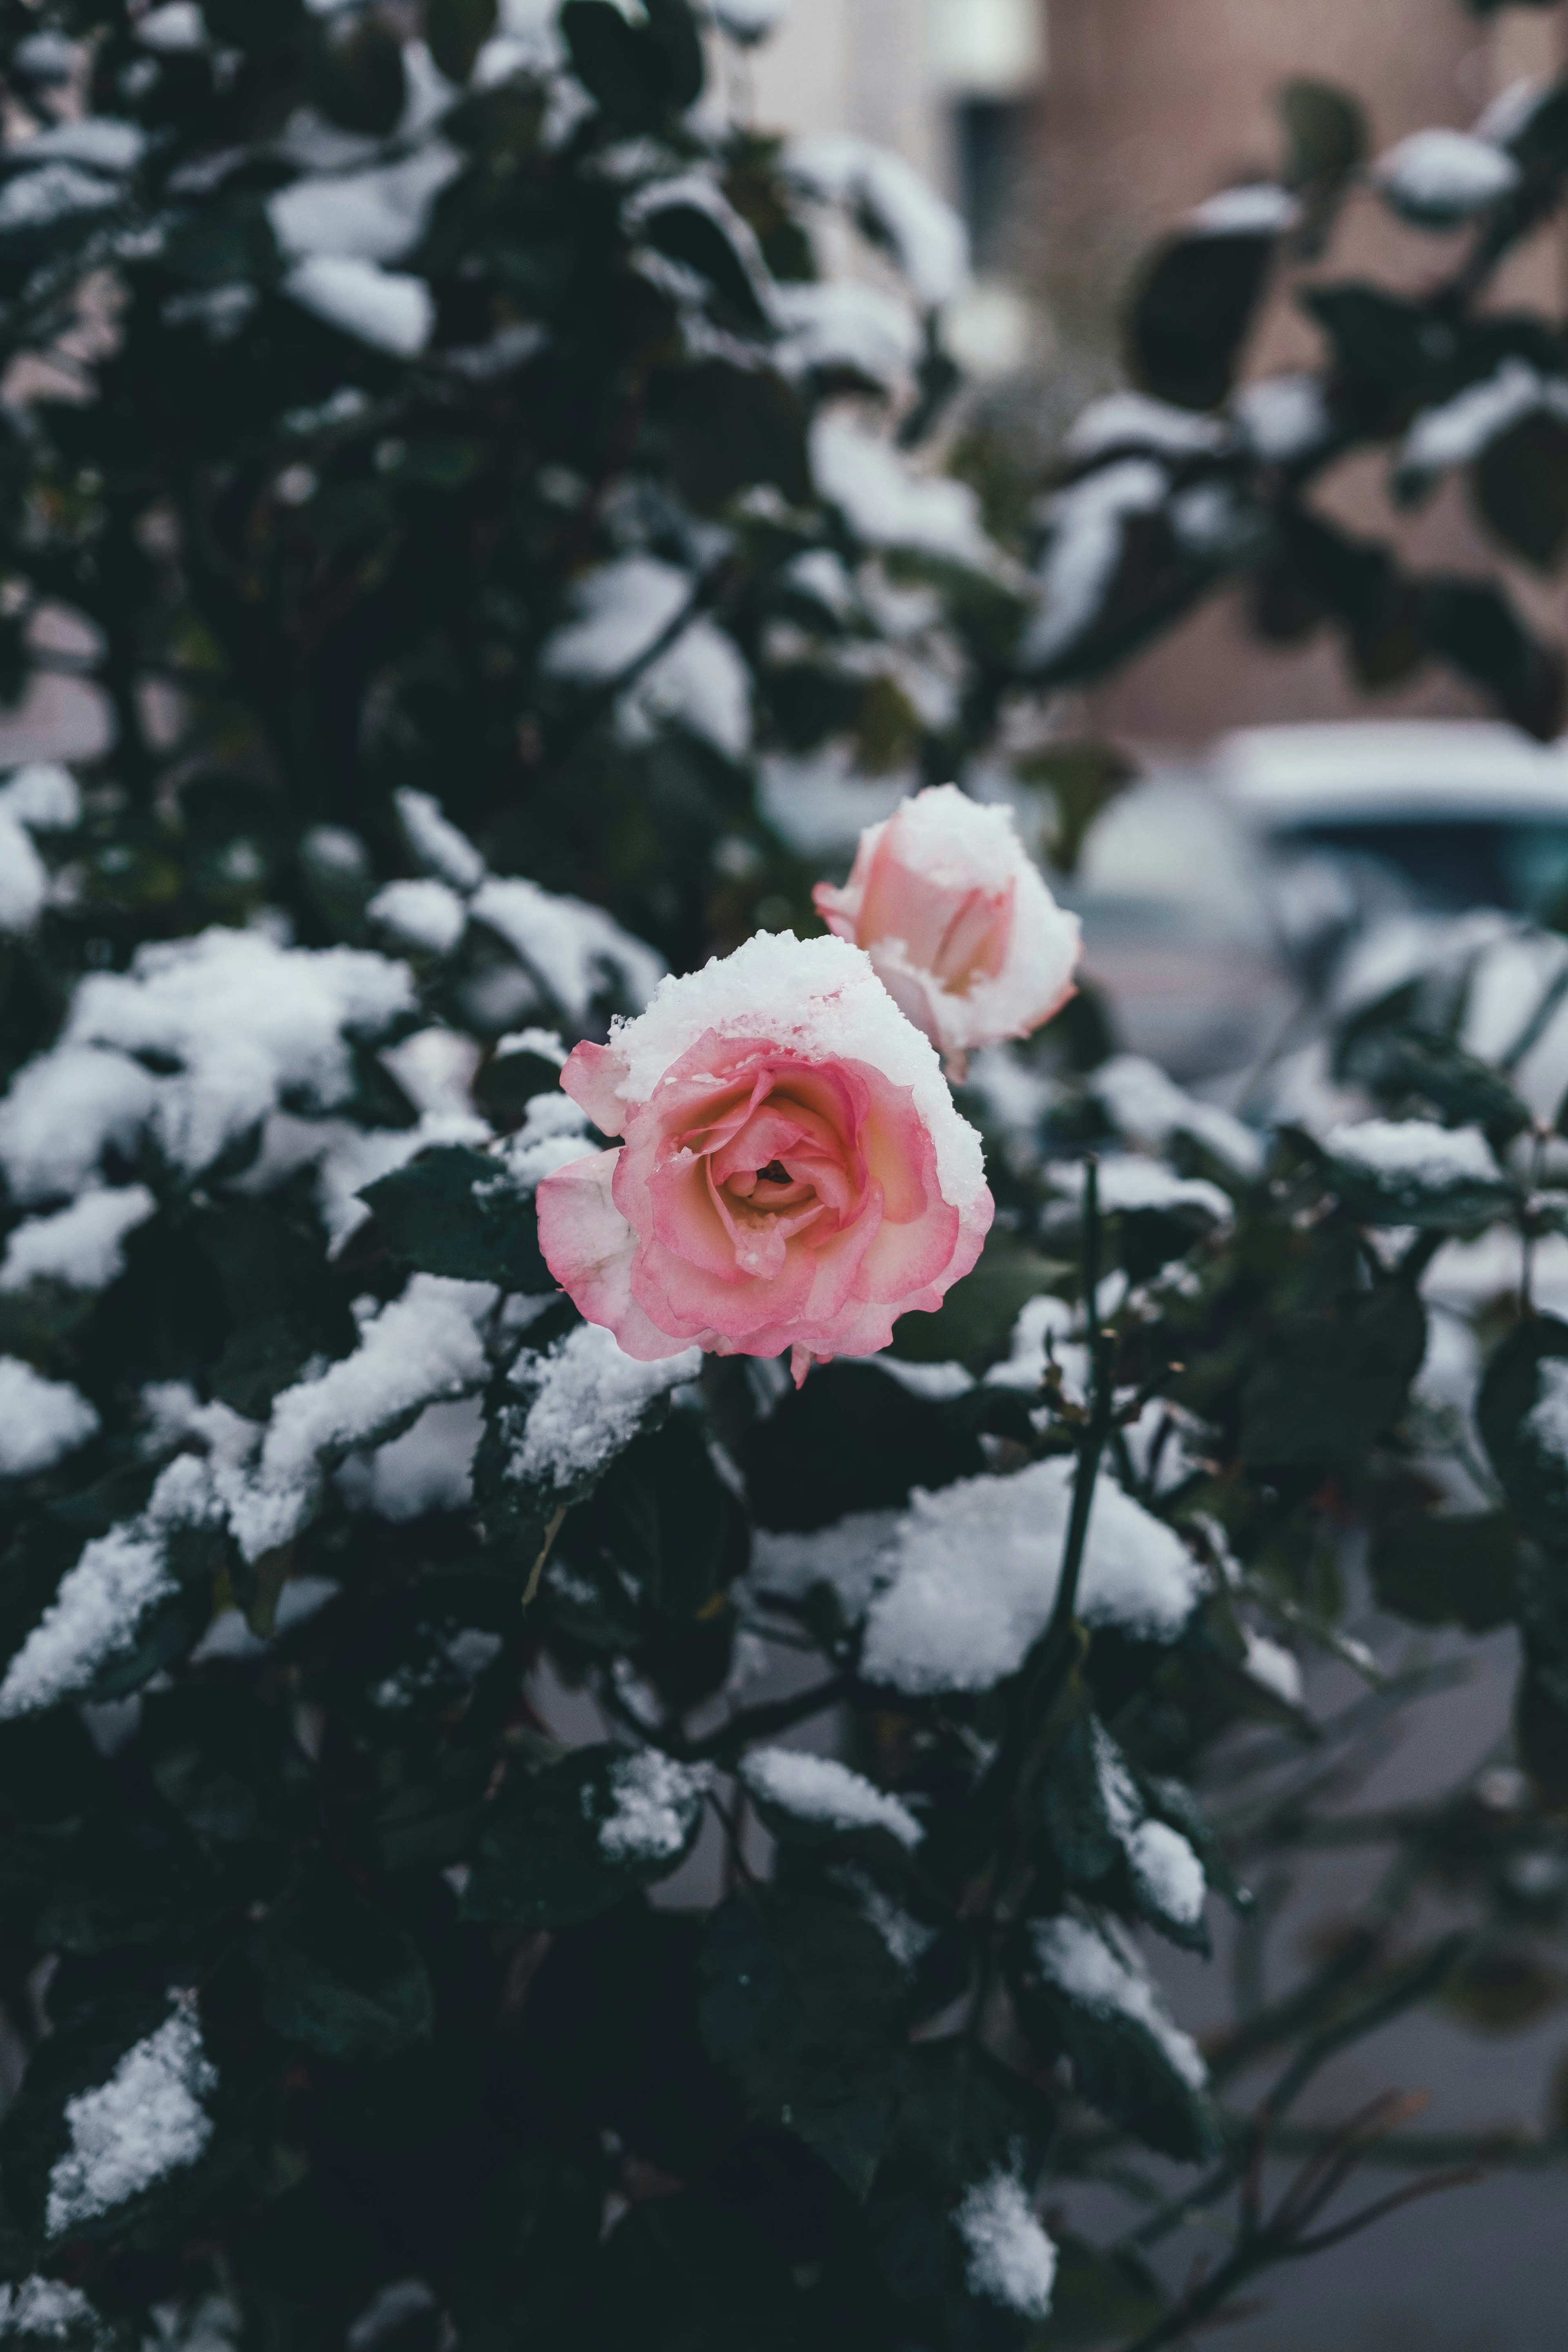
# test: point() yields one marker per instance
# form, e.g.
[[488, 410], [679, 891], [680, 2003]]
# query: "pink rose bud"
[[953, 912], [795, 1173]]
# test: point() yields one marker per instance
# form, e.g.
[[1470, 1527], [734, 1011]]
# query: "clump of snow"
[[421, 1347], [1441, 176], [47, 192], [849, 1558], [426, 915], [1041, 1337], [926, 235], [552, 1134], [976, 1567], [41, 1421], [573, 949], [247, 1022], [1547, 1420], [622, 610], [437, 842], [43, 796], [146, 2121], [1457, 430], [384, 308], [1167, 1871], [425, 1469], [1282, 418], [840, 323], [176, 26], [100, 140], [701, 683], [1258, 209], [819, 1788], [81, 1246], [102, 1601], [820, 997], [1012, 2262], [64, 1110], [1083, 552], [46, 2307], [1273, 1668], [1414, 1152], [229, 1635], [1131, 417], [589, 1400], [888, 503], [24, 878], [1127, 1181], [373, 216], [654, 1802], [1150, 1109], [1082, 1965]]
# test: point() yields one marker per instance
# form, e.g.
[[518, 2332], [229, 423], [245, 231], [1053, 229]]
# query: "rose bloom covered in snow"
[[953, 912], [795, 1174]]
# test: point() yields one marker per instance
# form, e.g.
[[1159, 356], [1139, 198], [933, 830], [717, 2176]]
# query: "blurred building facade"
[[1070, 132]]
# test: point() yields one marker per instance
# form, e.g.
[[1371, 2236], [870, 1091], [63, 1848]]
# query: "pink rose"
[[963, 933], [795, 1173]]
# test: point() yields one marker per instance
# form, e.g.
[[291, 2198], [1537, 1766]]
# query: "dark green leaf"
[[685, 233], [454, 1210], [1326, 132], [1474, 627], [544, 1860], [1192, 312], [342, 1979], [1095, 2002], [730, 428], [1439, 1191], [1519, 483], [456, 30], [1331, 1381], [800, 2006]]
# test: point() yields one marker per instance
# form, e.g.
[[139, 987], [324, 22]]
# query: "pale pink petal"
[[590, 1248]]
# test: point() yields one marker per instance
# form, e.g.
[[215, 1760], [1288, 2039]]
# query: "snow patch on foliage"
[[1457, 430], [82, 1246], [1282, 418], [926, 235], [64, 1110], [24, 878], [1127, 1181], [1150, 1109], [1082, 1965], [589, 1400], [1547, 1420], [888, 503], [1414, 1152], [46, 2307], [419, 1349], [246, 1020], [429, 1468], [976, 1570], [41, 1421], [374, 216], [849, 1558], [1083, 552], [1134, 418], [43, 796], [102, 1599], [384, 308], [1012, 2262], [1441, 176], [47, 192], [425, 914], [819, 1788], [573, 949], [148, 2120], [654, 1801]]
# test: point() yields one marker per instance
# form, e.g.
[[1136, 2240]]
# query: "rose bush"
[[958, 923], [795, 1175]]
